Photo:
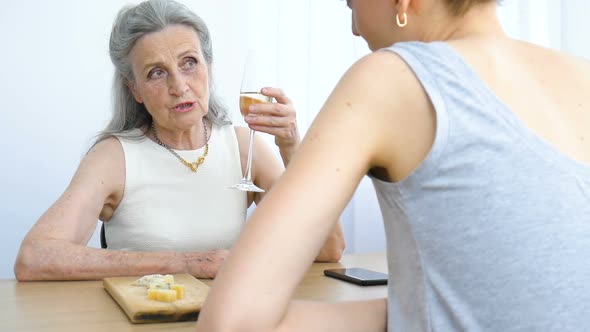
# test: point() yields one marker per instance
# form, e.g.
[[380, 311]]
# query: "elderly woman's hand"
[[204, 264], [277, 119]]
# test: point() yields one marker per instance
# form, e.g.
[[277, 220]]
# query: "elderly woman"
[[484, 187], [159, 175]]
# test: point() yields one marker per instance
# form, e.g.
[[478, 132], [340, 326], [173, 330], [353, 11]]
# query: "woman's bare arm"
[[328, 317], [265, 172], [377, 112]]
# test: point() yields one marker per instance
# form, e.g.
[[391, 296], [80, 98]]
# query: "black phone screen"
[[358, 276]]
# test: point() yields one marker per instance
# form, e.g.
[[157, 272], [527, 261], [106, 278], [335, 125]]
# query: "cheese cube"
[[153, 293], [166, 295], [179, 290]]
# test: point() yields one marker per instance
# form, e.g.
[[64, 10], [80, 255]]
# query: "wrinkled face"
[[171, 77], [374, 20]]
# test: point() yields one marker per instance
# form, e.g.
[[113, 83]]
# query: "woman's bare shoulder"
[[104, 166], [385, 83], [108, 151]]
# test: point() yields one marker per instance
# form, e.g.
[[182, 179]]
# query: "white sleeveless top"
[[166, 206]]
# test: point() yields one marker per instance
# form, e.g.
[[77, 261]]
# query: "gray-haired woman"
[[158, 175]]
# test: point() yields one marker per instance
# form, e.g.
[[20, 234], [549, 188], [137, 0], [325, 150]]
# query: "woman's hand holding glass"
[[264, 115], [277, 119], [274, 118]]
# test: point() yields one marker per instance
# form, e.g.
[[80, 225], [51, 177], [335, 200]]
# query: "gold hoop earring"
[[399, 22]]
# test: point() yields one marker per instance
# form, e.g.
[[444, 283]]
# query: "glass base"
[[247, 186]]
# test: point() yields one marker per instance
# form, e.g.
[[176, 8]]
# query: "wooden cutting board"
[[133, 300]]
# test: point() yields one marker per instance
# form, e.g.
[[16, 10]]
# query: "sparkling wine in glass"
[[252, 83]]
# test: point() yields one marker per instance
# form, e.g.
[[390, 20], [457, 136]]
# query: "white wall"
[[559, 24]]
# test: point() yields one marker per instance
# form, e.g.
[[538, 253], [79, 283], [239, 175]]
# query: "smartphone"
[[358, 276]]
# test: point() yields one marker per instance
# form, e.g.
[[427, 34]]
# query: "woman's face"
[[171, 77], [374, 20]]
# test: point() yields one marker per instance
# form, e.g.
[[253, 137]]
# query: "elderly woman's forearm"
[[287, 153], [51, 259]]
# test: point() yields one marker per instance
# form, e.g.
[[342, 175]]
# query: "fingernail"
[[263, 90], [250, 117]]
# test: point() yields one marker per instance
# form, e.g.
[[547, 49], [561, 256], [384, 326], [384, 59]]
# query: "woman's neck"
[[480, 21], [189, 139]]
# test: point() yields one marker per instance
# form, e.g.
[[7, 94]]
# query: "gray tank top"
[[492, 231]]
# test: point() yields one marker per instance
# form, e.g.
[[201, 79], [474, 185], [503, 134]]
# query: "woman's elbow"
[[334, 247], [22, 272], [25, 264], [335, 255], [332, 254]]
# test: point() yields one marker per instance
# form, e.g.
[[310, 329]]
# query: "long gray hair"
[[132, 23]]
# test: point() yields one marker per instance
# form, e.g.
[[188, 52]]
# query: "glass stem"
[[249, 163]]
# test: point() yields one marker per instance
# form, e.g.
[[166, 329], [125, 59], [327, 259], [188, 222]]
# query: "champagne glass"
[[252, 83]]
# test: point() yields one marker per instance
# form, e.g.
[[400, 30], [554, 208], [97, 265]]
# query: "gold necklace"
[[192, 165]]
